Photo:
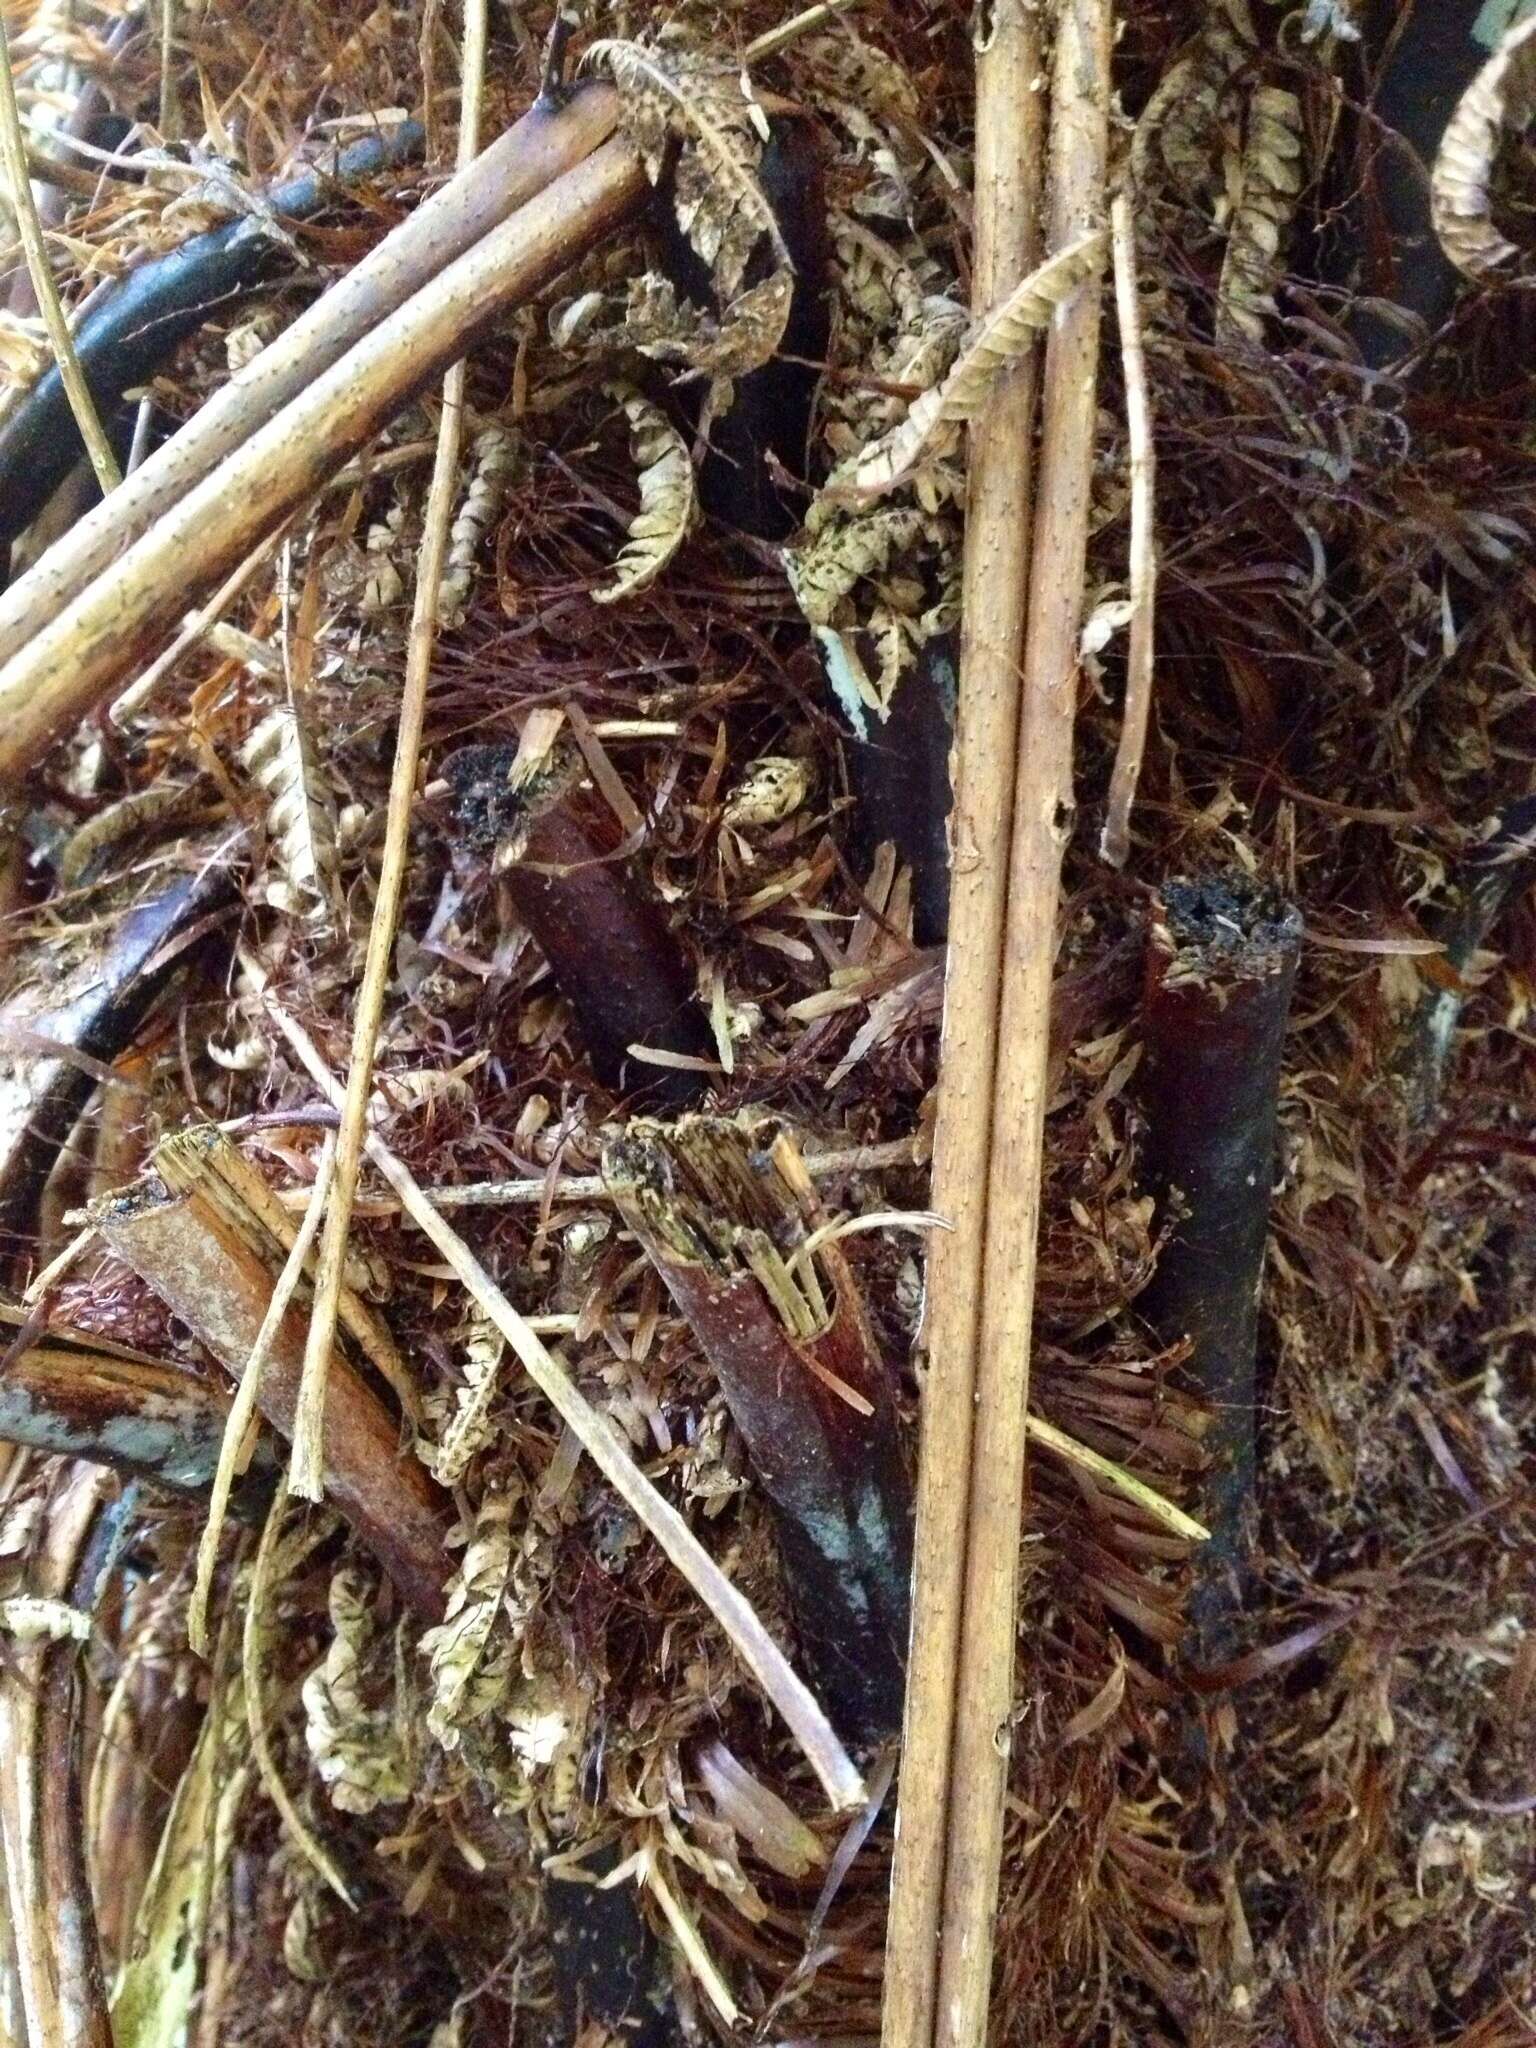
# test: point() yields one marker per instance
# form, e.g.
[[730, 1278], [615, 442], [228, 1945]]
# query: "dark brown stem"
[[722, 1211], [53, 1920], [206, 1273], [1493, 876], [611, 951], [1221, 964], [899, 774], [78, 1396], [761, 444], [92, 1011]]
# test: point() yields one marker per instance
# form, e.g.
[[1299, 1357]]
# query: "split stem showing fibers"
[[727, 1216], [76, 659], [42, 1828], [1221, 965], [601, 1441], [1077, 154], [558, 845], [999, 509], [529, 157], [198, 1257]]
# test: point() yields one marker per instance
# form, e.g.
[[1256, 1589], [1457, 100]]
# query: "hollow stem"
[[1221, 965]]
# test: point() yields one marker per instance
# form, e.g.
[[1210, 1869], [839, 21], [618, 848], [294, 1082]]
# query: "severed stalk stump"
[[557, 844], [1221, 964], [725, 1213]]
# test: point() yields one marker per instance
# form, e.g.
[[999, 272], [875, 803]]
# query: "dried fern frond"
[[719, 203], [1184, 116], [469, 1674], [1270, 179], [469, 1429], [667, 499], [300, 820], [1502, 96], [997, 343], [494, 453], [356, 1748]]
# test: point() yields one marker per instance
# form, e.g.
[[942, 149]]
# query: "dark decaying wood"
[[1221, 964], [93, 1008], [53, 1920], [133, 330], [558, 846], [72, 1393], [209, 1277], [722, 1213]]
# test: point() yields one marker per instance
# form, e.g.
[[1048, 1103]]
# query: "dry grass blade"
[[757, 1649], [1500, 95], [305, 1473], [1003, 335], [1115, 844]]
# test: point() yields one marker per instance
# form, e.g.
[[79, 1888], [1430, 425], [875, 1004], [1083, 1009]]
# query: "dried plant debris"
[[679, 857], [1498, 101]]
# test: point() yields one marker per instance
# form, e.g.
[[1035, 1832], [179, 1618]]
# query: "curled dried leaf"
[[1501, 97], [494, 454], [666, 512], [470, 1428], [1270, 179], [469, 1673], [998, 341], [280, 758], [356, 1747]]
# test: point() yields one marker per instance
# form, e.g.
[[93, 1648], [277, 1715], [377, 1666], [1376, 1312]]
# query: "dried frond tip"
[[667, 499]]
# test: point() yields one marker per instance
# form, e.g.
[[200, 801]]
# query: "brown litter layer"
[[1325, 1840]]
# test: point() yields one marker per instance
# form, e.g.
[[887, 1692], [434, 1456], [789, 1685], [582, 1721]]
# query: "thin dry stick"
[[244, 1408], [1008, 141], [1115, 844], [13, 156], [306, 1469], [599, 1439], [1042, 820], [1156, 1504], [194, 628]]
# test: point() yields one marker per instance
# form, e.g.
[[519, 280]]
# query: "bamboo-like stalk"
[[786, 1331], [13, 158], [530, 156], [52, 1919], [80, 1397], [1009, 121], [304, 1473], [1077, 153], [74, 662], [134, 327], [601, 1441], [192, 1256], [1115, 843]]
